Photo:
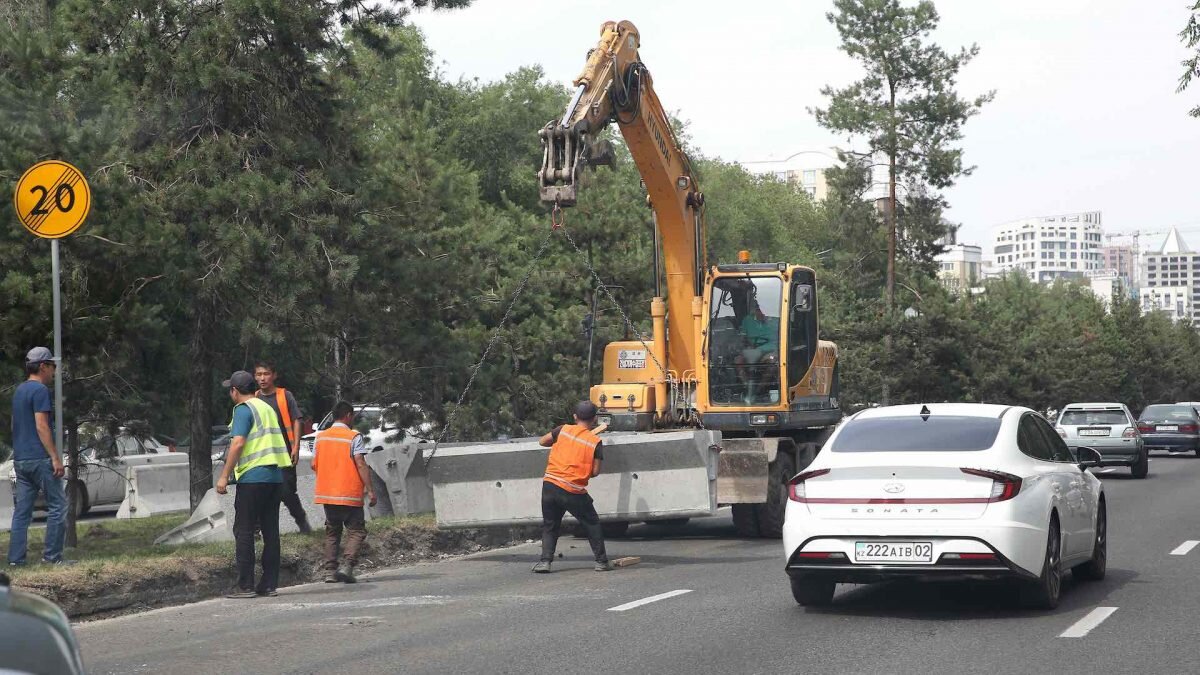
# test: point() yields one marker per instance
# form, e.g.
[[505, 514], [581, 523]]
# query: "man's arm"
[[295, 415], [360, 461], [231, 459], [596, 459], [550, 438], [42, 421]]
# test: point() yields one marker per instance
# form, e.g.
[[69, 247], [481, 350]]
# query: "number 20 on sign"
[[52, 199]]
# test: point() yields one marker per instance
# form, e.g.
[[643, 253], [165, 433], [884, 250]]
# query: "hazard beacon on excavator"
[[735, 356]]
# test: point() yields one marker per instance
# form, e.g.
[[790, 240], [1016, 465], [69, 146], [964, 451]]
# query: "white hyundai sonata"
[[945, 490]]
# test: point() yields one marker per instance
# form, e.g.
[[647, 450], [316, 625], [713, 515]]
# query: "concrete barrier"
[[7, 505], [400, 480], [154, 489], [645, 476]]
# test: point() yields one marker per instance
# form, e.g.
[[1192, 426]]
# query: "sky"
[[1085, 116]]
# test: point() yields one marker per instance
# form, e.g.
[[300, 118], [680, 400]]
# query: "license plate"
[[1167, 427], [1093, 432], [893, 552]]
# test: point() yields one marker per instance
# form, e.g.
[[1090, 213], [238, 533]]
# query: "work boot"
[[542, 567], [603, 566], [346, 574], [305, 528], [331, 577]]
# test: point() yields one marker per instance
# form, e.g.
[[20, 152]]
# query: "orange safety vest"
[[338, 481], [571, 458], [285, 416]]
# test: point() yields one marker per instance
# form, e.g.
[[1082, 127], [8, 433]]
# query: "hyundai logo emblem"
[[893, 488]]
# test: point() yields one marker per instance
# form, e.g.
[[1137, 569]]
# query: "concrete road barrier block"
[[400, 471], [644, 476], [7, 506], [154, 489]]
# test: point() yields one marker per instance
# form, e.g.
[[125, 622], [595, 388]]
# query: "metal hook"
[[558, 217]]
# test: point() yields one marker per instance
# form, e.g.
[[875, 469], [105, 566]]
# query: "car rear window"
[[912, 434], [1167, 412], [1080, 418]]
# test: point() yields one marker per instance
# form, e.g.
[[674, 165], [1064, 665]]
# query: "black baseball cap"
[[585, 411], [242, 381]]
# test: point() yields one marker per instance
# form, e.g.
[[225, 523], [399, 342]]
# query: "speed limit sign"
[[52, 199]]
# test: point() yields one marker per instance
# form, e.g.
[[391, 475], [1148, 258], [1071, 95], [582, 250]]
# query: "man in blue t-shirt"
[[36, 463]]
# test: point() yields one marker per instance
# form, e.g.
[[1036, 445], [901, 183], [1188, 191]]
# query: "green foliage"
[[1190, 36]]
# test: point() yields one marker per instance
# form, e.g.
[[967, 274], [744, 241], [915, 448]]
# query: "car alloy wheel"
[[1094, 569], [1045, 591]]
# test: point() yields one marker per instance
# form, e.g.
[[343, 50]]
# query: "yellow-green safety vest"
[[265, 445]]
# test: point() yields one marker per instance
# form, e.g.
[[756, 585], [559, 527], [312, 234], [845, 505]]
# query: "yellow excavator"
[[735, 366]]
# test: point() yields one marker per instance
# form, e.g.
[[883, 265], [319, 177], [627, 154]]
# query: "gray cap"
[[242, 381], [40, 355], [585, 410]]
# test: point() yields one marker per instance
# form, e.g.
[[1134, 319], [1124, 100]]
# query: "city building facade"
[[1171, 279], [806, 171], [1122, 260], [1046, 248], [960, 266]]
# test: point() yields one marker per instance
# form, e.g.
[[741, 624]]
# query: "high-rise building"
[[1122, 260], [960, 266], [1168, 269], [1048, 247]]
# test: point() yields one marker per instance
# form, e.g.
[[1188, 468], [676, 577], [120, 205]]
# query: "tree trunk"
[[200, 375], [73, 493]]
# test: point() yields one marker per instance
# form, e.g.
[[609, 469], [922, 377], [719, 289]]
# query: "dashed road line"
[[1085, 625], [1186, 547], [645, 601]]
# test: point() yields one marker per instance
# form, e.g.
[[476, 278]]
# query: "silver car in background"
[[1109, 428]]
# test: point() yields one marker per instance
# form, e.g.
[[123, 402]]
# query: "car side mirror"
[[1088, 457]]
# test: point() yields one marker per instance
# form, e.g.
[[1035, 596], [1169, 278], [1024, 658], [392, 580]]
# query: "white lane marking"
[[1186, 547], [1085, 625], [646, 601]]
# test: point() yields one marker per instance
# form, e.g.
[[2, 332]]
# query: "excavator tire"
[[770, 514], [745, 519]]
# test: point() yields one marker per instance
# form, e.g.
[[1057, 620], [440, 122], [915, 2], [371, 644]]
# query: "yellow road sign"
[[52, 199]]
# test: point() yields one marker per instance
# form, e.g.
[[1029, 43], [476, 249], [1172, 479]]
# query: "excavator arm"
[[615, 86]]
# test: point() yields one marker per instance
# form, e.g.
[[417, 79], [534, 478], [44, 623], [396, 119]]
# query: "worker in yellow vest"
[[340, 462], [285, 406], [256, 457], [575, 455]]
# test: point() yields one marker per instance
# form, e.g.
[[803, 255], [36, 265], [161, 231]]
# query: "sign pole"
[[58, 381]]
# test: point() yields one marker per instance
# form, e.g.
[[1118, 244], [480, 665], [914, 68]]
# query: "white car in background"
[[949, 491], [372, 422]]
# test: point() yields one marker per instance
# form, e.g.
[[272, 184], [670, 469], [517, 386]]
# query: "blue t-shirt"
[[29, 398], [243, 422]]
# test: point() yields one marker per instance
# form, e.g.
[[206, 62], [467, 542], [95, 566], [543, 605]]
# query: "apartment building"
[[1048, 247]]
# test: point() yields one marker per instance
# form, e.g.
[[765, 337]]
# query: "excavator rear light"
[[743, 257], [764, 419]]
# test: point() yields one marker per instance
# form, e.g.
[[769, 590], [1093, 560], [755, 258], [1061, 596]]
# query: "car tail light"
[[1129, 432], [968, 556], [1005, 486], [1145, 428], [1061, 431], [1188, 428], [821, 555], [796, 485]]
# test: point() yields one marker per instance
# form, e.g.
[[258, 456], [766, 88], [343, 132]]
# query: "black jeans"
[[256, 507], [557, 501], [290, 499]]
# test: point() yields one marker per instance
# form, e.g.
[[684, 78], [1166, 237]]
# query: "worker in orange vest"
[[575, 455], [284, 405], [340, 462]]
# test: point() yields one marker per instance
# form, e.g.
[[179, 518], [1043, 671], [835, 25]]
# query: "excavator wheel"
[[770, 514]]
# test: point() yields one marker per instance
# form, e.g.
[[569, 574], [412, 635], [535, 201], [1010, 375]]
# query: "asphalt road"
[[725, 608]]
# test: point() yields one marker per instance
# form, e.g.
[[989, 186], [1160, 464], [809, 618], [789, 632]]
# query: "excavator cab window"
[[802, 326], [743, 339]]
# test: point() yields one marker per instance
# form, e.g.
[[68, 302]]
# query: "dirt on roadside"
[[112, 587]]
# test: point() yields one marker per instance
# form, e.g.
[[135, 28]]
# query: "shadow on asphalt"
[[956, 600]]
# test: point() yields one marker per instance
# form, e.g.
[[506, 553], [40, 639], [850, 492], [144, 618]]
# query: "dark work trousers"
[[352, 520], [290, 499], [256, 507], [557, 501]]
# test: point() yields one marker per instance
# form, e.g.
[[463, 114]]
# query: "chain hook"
[[558, 217]]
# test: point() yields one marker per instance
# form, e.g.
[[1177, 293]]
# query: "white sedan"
[[945, 491]]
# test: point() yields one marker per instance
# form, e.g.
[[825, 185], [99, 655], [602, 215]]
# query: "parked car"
[[378, 425], [1170, 426], [37, 635], [1109, 428], [945, 491]]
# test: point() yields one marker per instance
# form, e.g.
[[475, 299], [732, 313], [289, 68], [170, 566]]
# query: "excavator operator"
[[762, 348]]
